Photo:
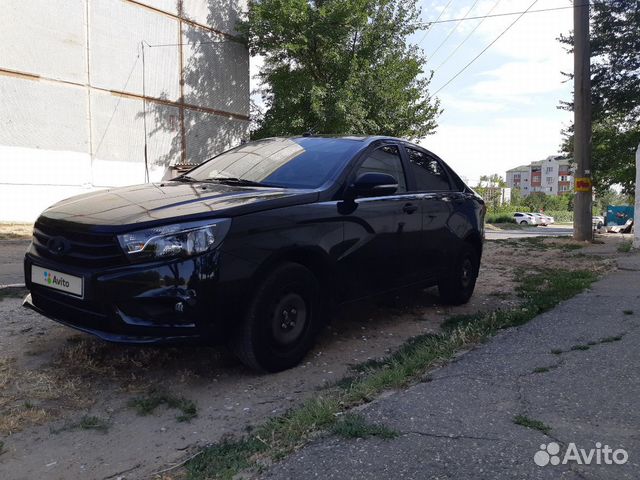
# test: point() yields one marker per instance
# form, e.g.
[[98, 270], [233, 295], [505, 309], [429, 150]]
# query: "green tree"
[[615, 63], [340, 66]]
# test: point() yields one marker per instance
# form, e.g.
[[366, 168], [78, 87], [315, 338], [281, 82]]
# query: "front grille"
[[85, 249]]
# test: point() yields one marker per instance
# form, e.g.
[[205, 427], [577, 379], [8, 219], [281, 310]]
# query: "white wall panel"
[[118, 137], [208, 134], [117, 29], [169, 6], [44, 37], [219, 14], [216, 74], [43, 115]]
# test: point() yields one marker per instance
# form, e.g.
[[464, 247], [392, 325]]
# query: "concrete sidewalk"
[[460, 424]]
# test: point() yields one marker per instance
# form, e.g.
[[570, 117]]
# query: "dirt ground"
[[66, 398]]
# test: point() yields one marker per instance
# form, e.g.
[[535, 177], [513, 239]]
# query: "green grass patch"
[[627, 312], [87, 422], [147, 404], [625, 246], [527, 422], [352, 425], [289, 432]]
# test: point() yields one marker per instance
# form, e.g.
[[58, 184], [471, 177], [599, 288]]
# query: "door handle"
[[409, 208]]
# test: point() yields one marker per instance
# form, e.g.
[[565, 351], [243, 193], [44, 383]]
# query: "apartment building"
[[552, 176]]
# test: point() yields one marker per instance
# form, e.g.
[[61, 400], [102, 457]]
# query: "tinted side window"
[[385, 160], [429, 174]]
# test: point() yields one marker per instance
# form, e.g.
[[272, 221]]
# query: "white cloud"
[[502, 110]]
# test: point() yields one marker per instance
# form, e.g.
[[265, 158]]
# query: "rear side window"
[[429, 174], [385, 160]]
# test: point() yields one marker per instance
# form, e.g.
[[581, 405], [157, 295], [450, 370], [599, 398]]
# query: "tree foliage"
[[615, 77], [340, 66]]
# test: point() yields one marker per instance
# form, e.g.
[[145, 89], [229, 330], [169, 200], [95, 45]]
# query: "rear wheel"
[[523, 222], [281, 321], [457, 286]]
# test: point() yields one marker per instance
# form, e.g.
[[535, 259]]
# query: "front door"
[[382, 232]]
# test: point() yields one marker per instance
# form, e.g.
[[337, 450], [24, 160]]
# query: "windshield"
[[280, 162]]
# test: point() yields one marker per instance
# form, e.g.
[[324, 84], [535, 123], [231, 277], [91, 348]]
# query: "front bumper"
[[143, 303]]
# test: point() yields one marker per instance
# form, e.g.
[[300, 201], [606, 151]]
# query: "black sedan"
[[254, 246]]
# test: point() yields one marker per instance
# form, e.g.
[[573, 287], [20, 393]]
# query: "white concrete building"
[[552, 176], [102, 93]]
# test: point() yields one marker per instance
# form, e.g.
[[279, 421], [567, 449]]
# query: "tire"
[[457, 287], [523, 222], [281, 322]]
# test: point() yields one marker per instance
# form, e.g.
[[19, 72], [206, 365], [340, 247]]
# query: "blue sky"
[[501, 111]]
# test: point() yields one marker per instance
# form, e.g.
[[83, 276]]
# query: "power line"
[[485, 48], [428, 30], [506, 14], [453, 29], [466, 38]]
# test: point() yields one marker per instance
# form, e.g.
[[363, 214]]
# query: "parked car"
[[597, 221], [253, 246], [525, 218], [542, 219]]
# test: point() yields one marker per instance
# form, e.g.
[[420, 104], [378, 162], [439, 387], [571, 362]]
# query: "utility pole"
[[582, 228]]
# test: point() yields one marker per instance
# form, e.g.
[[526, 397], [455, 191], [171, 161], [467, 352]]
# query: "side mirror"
[[372, 184]]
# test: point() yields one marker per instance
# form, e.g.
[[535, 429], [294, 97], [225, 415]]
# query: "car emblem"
[[58, 246]]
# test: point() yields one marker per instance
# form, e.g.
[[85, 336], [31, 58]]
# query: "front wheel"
[[457, 286], [281, 322], [523, 222]]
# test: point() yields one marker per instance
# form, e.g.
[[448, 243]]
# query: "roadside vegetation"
[[15, 231], [325, 413]]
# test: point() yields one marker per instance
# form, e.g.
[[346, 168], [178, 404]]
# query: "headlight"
[[178, 240]]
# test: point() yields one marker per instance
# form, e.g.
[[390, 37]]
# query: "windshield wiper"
[[237, 181], [184, 178]]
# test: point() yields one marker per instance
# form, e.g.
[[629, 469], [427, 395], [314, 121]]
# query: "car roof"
[[365, 139]]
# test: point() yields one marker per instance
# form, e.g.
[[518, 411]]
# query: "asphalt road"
[[574, 368], [529, 232]]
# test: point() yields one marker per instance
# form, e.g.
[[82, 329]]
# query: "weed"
[[628, 312], [625, 246], [353, 425], [94, 423], [557, 351], [580, 347], [146, 405], [2, 450], [527, 422], [617, 338], [542, 369]]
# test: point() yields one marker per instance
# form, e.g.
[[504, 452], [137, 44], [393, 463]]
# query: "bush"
[[560, 215], [499, 218]]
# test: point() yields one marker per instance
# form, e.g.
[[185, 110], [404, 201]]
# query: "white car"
[[525, 218], [543, 219]]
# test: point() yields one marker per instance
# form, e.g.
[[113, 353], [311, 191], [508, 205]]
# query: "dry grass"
[[29, 397], [15, 231]]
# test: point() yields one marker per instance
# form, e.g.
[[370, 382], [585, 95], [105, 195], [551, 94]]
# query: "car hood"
[[151, 203]]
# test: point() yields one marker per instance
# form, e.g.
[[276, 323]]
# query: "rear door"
[[432, 185], [382, 232]]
